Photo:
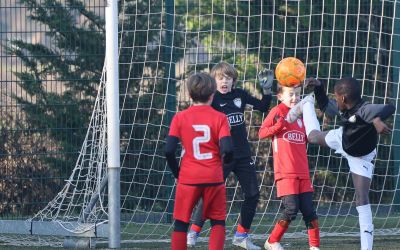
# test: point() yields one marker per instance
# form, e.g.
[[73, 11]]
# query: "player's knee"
[[217, 222], [315, 137], [181, 226], [252, 200], [362, 200], [290, 214], [290, 211], [312, 137]]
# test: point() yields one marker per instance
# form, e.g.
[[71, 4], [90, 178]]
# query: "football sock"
[[278, 231], [217, 238], [241, 230], [366, 226], [310, 118], [313, 234], [178, 241], [195, 228]]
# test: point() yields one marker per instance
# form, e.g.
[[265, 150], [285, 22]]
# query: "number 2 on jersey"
[[201, 139]]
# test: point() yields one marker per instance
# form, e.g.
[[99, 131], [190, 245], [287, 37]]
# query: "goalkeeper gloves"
[[266, 78]]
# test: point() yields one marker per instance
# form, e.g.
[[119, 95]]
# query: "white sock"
[[310, 118], [366, 226]]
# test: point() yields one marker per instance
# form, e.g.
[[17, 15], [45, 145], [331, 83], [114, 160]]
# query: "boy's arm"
[[225, 141], [170, 149], [380, 126], [226, 149], [326, 105], [260, 105], [272, 125], [368, 112], [266, 78]]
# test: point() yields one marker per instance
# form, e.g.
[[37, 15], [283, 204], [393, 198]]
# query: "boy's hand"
[[266, 78], [280, 122], [312, 82], [380, 126]]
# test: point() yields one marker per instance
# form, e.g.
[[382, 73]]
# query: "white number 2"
[[201, 139]]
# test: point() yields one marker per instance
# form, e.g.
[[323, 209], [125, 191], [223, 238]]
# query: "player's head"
[[225, 75], [347, 93], [201, 87], [289, 95]]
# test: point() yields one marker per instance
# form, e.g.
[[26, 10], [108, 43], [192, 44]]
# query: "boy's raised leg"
[[312, 126]]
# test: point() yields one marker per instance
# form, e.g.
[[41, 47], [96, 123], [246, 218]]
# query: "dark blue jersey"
[[233, 104]]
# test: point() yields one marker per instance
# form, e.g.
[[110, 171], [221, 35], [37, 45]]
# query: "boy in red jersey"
[[205, 137], [291, 171]]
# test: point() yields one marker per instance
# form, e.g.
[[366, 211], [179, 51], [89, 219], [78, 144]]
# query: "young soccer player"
[[205, 137], [232, 102], [291, 171], [355, 140]]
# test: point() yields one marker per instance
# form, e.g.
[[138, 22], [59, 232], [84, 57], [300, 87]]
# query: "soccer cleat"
[[297, 109], [191, 238], [314, 248], [244, 241], [273, 246]]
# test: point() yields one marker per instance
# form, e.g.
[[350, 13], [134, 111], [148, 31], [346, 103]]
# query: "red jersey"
[[199, 129], [288, 143]]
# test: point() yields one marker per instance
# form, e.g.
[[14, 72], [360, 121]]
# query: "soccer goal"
[[161, 43]]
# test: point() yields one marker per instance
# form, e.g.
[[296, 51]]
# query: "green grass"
[[327, 243]]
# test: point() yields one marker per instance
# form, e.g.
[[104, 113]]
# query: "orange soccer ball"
[[290, 72]]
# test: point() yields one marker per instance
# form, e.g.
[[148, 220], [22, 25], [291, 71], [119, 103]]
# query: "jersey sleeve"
[[226, 149], [174, 129], [273, 124], [224, 129], [260, 105], [370, 111], [326, 105], [170, 149]]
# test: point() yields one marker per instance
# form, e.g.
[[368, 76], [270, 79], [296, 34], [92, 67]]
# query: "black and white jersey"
[[233, 104], [359, 134]]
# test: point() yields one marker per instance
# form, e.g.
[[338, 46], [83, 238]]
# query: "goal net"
[[162, 42]]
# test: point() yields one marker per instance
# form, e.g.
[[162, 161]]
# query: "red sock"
[[178, 241], [242, 230], [195, 228], [313, 234], [278, 231], [217, 238]]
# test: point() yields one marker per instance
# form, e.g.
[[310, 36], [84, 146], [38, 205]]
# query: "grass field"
[[327, 243], [150, 233]]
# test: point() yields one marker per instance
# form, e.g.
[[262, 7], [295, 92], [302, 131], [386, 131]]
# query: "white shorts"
[[361, 165]]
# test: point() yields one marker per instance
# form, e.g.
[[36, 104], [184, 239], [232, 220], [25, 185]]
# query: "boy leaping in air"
[[291, 171], [205, 137], [355, 140]]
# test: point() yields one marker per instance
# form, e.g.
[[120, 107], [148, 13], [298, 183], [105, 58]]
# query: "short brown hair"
[[223, 68], [201, 86]]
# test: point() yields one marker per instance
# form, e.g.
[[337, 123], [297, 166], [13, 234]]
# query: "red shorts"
[[293, 186], [214, 201]]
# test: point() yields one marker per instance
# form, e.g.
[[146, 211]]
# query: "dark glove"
[[266, 78]]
